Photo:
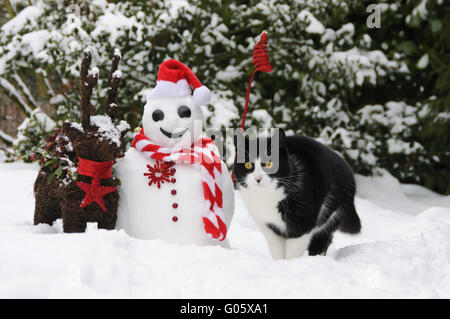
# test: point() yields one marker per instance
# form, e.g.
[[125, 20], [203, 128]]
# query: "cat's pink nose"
[[258, 179]]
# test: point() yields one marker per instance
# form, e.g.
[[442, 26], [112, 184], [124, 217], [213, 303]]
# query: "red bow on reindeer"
[[95, 191]]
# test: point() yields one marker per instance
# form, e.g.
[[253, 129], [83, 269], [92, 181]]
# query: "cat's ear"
[[281, 135]]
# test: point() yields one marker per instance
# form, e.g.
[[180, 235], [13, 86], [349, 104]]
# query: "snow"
[[403, 251], [402, 147], [225, 109], [263, 117], [24, 88], [117, 52], [26, 16], [423, 62], [6, 137], [57, 99], [77, 126], [421, 9], [176, 5], [12, 90], [117, 74], [116, 24], [398, 117], [36, 40], [45, 123], [43, 119], [123, 126], [94, 71], [314, 25], [229, 74], [106, 128]]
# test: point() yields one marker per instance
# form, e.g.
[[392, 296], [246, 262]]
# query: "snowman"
[[174, 185]]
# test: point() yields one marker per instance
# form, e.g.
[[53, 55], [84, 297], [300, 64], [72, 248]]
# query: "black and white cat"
[[298, 193]]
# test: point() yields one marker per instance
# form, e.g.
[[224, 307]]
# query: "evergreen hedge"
[[379, 96]]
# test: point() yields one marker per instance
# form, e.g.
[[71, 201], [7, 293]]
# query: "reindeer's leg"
[[47, 208], [74, 218], [107, 220]]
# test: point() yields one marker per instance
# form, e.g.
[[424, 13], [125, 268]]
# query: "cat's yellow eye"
[[248, 165], [269, 165]]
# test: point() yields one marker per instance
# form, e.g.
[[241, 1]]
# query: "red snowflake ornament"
[[160, 173]]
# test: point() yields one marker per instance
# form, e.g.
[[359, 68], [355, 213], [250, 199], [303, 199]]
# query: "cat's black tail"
[[350, 222]]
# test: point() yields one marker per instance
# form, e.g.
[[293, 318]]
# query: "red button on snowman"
[[174, 185]]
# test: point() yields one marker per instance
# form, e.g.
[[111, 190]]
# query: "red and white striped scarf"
[[205, 156]]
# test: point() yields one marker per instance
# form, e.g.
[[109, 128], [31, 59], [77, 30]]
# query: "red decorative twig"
[[262, 63]]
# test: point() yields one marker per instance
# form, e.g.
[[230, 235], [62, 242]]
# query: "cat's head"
[[260, 161]]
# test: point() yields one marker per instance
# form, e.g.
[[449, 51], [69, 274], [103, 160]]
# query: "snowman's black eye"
[[158, 115], [184, 111]]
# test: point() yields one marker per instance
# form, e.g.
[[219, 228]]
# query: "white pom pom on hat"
[[202, 95], [175, 80]]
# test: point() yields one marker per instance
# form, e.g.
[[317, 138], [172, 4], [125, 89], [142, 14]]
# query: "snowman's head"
[[169, 121], [172, 116]]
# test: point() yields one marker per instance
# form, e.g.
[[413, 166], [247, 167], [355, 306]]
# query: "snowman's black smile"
[[173, 135]]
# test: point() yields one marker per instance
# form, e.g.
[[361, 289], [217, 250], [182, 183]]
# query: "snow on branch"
[[12, 92], [25, 89], [25, 17], [6, 138]]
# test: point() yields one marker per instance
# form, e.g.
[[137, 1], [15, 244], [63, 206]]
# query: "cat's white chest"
[[262, 203]]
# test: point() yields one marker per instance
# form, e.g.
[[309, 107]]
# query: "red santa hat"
[[175, 80]]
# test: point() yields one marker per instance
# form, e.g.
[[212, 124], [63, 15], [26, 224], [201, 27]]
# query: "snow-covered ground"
[[403, 251]]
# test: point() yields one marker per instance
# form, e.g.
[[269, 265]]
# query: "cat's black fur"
[[317, 182]]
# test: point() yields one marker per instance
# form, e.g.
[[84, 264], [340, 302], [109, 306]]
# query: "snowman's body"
[[174, 211], [147, 212]]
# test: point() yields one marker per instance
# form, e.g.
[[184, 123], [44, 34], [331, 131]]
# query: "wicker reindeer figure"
[[93, 196]]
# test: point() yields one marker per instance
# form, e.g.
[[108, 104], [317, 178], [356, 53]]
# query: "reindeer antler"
[[114, 78], [88, 80]]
